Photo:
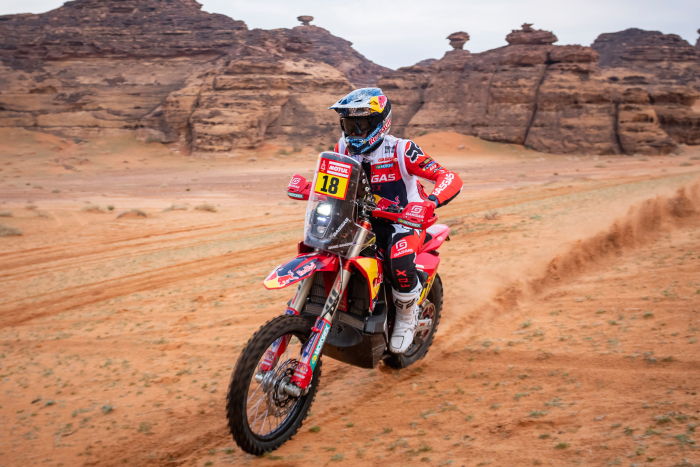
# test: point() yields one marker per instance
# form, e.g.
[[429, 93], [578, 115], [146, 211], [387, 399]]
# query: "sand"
[[569, 333]]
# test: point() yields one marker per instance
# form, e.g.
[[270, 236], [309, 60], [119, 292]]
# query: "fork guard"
[[300, 268]]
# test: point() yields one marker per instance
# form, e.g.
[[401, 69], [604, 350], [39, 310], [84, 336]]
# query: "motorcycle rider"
[[393, 166]]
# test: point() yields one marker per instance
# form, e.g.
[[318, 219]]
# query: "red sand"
[[569, 332]]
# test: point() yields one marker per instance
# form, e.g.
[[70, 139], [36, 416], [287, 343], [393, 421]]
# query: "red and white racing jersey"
[[395, 167]]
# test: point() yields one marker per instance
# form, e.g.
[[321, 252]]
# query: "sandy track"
[[569, 333]]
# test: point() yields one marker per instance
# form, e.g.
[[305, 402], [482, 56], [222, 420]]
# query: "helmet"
[[365, 118]]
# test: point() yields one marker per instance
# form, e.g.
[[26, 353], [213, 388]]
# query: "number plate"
[[332, 179]]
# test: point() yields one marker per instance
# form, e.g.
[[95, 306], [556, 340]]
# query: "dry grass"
[[7, 231], [5, 214], [491, 215], [206, 207], [132, 213], [176, 207], [94, 208]]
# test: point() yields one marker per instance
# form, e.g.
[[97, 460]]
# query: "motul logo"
[[339, 169]]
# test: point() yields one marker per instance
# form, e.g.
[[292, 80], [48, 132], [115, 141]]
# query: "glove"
[[383, 203], [418, 212]]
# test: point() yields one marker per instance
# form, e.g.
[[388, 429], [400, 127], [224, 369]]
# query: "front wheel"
[[260, 416], [430, 308]]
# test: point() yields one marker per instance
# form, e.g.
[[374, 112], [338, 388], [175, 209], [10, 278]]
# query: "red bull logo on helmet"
[[377, 103]]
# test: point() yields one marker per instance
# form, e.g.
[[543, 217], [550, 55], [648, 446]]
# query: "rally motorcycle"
[[342, 308]]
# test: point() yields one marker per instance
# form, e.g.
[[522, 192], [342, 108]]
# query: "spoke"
[[255, 422], [256, 408], [256, 390], [290, 350], [263, 424]]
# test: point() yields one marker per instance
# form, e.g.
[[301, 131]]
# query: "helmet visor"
[[356, 126]]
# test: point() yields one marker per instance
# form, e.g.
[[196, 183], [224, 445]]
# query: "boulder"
[[458, 39], [305, 20]]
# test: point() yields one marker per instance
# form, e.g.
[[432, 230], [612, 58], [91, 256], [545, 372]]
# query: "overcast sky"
[[397, 33]]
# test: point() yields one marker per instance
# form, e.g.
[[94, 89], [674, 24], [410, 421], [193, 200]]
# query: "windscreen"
[[332, 212]]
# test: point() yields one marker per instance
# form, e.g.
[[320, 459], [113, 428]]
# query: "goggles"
[[356, 126]]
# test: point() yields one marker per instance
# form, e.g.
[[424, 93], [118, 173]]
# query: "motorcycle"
[[340, 309]]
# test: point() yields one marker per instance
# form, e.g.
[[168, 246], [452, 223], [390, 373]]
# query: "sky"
[[396, 33]]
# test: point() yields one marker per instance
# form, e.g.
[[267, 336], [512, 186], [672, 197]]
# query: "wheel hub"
[[277, 400]]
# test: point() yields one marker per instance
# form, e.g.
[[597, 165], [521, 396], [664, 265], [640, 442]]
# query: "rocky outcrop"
[[639, 48], [529, 36], [317, 44], [255, 99], [665, 68], [532, 92], [638, 125], [556, 98], [116, 29], [169, 72], [458, 39], [172, 73]]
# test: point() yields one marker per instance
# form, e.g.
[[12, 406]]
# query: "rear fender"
[[300, 268], [373, 272], [440, 234]]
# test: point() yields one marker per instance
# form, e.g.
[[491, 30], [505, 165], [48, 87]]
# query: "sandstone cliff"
[[661, 72], [169, 72], [556, 98], [172, 73]]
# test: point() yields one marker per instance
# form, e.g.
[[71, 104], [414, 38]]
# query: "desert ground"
[[569, 333]]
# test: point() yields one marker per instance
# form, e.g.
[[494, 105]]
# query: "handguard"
[[416, 215], [299, 188]]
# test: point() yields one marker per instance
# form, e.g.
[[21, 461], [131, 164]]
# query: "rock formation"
[[305, 20], [555, 98], [458, 39], [172, 73], [169, 72], [529, 36], [664, 72]]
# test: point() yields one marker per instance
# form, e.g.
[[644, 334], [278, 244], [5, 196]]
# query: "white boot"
[[406, 319]]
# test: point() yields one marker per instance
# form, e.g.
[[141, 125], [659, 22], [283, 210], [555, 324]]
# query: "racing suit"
[[393, 170]]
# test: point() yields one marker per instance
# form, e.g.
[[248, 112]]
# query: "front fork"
[[312, 350], [280, 345]]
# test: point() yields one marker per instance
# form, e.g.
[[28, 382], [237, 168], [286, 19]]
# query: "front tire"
[[282, 415], [417, 351]]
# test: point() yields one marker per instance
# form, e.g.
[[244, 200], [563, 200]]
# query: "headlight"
[[323, 209]]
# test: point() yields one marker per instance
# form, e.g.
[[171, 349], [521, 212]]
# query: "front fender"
[[300, 268]]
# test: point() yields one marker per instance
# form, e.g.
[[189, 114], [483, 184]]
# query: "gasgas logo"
[[444, 184], [376, 178]]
